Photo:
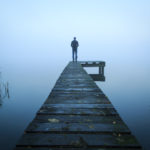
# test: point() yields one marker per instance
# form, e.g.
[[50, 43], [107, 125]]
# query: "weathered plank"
[[81, 127], [76, 100], [77, 94], [79, 118], [67, 106], [78, 111], [78, 140], [73, 98], [83, 148]]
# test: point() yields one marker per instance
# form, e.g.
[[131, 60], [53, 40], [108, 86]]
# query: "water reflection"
[[4, 90]]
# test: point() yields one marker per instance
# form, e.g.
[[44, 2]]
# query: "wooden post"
[[100, 70]]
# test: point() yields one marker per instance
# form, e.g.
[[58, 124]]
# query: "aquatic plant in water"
[[4, 90]]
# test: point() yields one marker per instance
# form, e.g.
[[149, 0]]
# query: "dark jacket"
[[74, 44]]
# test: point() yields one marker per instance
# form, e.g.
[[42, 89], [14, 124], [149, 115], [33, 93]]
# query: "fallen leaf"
[[53, 120], [114, 122], [91, 126]]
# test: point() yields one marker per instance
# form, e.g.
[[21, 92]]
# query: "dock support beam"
[[100, 64]]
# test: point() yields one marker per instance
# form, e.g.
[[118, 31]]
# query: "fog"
[[35, 39]]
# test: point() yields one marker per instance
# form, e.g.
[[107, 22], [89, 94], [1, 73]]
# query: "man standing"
[[74, 45]]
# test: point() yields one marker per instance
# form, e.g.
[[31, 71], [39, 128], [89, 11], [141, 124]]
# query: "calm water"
[[30, 84]]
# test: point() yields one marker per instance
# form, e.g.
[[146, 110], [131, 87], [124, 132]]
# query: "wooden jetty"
[[78, 115]]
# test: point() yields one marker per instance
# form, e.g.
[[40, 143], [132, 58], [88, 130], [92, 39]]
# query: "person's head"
[[74, 38]]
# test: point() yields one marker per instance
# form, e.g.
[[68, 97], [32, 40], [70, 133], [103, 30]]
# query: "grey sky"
[[106, 29]]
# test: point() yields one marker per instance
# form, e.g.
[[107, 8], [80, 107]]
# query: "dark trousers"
[[74, 54]]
